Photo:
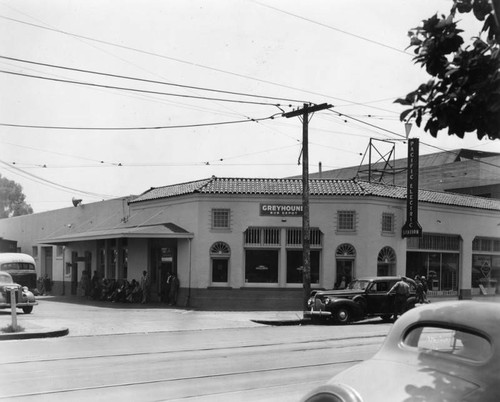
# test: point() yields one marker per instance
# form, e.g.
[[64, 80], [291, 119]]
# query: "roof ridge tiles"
[[318, 187]]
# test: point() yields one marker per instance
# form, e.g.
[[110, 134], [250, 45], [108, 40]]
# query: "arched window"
[[386, 262], [220, 248], [345, 250], [220, 253], [345, 256]]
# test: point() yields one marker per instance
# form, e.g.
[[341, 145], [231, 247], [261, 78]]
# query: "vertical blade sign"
[[412, 228]]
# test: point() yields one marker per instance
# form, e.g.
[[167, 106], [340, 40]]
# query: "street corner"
[[30, 332]]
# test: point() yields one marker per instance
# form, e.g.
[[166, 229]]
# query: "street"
[[199, 356]]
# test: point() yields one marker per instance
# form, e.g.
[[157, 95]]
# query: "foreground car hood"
[[392, 381]]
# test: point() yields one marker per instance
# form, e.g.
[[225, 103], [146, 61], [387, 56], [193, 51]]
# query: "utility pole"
[[306, 233]]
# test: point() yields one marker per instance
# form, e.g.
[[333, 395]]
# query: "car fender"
[[353, 306]]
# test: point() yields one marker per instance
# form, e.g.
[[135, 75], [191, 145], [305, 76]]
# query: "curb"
[[282, 322], [34, 334]]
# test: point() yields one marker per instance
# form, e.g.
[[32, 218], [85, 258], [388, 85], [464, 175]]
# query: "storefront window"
[[486, 264], [294, 266], [261, 266], [440, 269]]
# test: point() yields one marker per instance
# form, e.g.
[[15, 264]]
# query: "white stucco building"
[[237, 243]]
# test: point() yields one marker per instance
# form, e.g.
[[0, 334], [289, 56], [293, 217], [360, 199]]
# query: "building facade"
[[237, 243]]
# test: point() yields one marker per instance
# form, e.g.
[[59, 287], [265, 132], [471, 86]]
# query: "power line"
[[180, 61], [148, 81], [39, 179], [138, 90], [333, 28], [220, 123], [402, 136]]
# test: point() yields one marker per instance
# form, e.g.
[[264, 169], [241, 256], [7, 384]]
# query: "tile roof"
[[318, 187]]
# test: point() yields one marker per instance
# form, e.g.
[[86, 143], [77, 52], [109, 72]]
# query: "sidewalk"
[[75, 316], [57, 316]]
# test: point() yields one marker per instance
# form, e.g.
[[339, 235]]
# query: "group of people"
[[124, 291], [43, 285]]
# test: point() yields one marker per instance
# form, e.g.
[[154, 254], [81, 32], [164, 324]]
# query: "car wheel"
[[342, 315], [28, 309]]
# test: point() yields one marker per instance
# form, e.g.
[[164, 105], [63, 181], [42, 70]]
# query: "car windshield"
[[358, 285]]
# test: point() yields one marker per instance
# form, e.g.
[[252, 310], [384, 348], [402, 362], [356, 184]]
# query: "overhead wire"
[[253, 78], [220, 123], [150, 81], [332, 28], [39, 179], [404, 137], [139, 90]]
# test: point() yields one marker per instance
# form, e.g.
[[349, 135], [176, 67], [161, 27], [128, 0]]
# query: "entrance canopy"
[[158, 230]]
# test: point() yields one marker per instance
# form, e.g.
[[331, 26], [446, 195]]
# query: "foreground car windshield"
[[358, 285]]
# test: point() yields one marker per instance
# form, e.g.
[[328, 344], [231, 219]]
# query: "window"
[[451, 342], [386, 262], [35, 251], [220, 218], [294, 266], [346, 220], [294, 237], [434, 242], [387, 222], [261, 266], [345, 255], [262, 237], [59, 251]]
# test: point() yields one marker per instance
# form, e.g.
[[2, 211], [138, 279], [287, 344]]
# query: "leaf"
[[402, 116]]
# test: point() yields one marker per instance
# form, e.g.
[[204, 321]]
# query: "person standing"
[[168, 286], [425, 288], [145, 287], [420, 290], [401, 290], [174, 289], [95, 286], [342, 283]]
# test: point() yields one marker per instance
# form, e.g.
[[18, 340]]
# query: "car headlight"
[[310, 302], [327, 300]]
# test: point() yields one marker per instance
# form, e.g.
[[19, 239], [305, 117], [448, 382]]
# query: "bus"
[[21, 267]]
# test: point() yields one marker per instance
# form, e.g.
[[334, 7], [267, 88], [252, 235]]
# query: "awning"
[[162, 230]]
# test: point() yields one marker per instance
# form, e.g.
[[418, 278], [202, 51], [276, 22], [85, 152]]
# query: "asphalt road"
[[153, 353]]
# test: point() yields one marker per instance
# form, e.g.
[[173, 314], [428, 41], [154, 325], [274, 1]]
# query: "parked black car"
[[363, 298]]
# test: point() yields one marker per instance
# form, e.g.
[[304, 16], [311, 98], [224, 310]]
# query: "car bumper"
[[317, 313], [20, 304]]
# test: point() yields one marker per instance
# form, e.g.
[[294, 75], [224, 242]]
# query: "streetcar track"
[[185, 378], [207, 349]]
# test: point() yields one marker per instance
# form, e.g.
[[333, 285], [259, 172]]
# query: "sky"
[[108, 99]]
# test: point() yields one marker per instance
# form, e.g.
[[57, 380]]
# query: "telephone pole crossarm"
[[307, 109]]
